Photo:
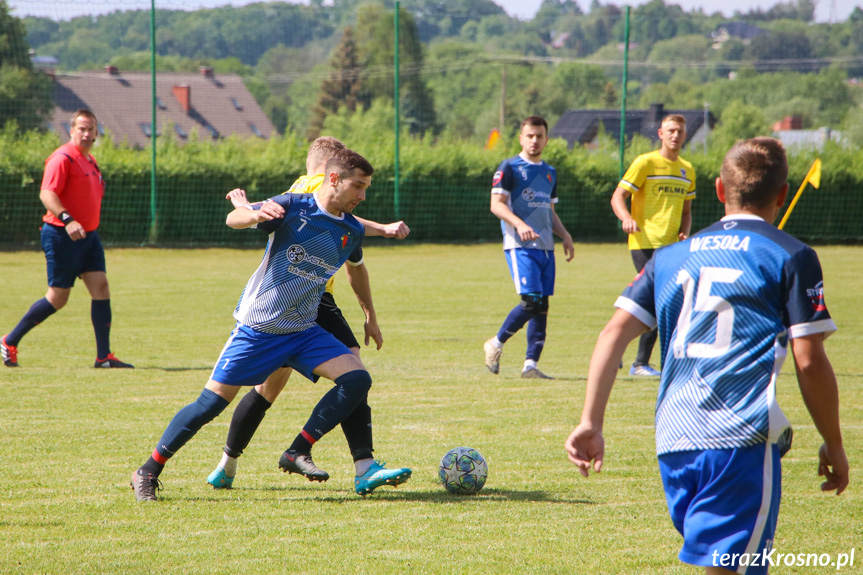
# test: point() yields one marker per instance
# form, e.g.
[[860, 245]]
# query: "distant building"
[[789, 131], [582, 126], [216, 107], [737, 30]]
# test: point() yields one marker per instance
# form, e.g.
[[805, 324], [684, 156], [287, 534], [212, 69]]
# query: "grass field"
[[71, 435]]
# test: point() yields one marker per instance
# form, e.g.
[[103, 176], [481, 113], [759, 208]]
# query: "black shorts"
[[331, 319], [641, 257]]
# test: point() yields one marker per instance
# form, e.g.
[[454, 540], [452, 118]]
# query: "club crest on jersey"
[[682, 173], [816, 297], [729, 225], [528, 194], [296, 253], [498, 176], [345, 239], [548, 177]]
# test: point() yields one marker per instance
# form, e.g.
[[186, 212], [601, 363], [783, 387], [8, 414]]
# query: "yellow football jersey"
[[307, 185], [658, 187]]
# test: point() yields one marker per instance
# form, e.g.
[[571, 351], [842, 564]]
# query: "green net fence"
[[240, 91]]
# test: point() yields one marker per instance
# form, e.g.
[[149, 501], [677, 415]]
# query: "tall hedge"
[[443, 193]]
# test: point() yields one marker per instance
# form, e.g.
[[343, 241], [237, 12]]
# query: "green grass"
[[72, 435]]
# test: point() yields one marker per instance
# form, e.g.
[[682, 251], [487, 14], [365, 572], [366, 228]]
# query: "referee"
[[72, 190]]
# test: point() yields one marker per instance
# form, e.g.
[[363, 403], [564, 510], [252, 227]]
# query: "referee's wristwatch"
[[66, 218]]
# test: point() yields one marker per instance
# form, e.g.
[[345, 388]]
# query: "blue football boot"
[[378, 475], [219, 480]]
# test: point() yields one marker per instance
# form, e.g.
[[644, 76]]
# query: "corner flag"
[[813, 177]]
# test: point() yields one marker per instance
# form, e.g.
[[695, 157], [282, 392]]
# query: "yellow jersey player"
[[661, 186]]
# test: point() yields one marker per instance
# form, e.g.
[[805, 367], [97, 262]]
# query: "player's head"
[[672, 133], [754, 175], [84, 129], [533, 137], [348, 175], [321, 150]]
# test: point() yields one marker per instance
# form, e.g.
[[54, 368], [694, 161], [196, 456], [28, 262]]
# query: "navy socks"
[[38, 312]]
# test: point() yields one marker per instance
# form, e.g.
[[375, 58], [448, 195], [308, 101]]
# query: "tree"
[[375, 39], [739, 121], [342, 88], [25, 94]]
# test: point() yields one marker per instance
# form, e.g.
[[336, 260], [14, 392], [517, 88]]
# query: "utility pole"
[[502, 98]]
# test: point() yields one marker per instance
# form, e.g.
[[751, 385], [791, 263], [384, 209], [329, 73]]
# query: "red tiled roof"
[[121, 102]]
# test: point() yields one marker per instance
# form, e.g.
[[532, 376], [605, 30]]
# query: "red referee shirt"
[[76, 179]]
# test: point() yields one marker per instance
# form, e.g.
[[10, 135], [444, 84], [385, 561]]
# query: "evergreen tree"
[[343, 86], [25, 95]]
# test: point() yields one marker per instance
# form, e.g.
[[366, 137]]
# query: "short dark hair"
[[345, 161], [753, 172], [534, 121], [83, 112]]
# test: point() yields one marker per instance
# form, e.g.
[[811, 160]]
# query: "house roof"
[[582, 126], [215, 106]]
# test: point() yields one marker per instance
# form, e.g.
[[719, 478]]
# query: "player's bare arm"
[[820, 393], [245, 217], [358, 278], [560, 231], [586, 444], [398, 230], [685, 221], [501, 209], [52, 203], [618, 205], [238, 198]]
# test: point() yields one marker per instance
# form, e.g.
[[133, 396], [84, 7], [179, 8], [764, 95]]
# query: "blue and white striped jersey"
[[304, 250], [531, 189], [726, 301]]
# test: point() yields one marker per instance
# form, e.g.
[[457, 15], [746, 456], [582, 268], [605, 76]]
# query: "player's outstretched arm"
[[820, 392], [358, 278], [398, 230], [560, 231], [238, 198], [586, 444], [248, 216]]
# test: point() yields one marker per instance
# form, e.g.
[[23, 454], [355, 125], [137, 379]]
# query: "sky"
[[525, 9]]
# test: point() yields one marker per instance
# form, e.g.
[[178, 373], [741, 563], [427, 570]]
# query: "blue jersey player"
[[524, 191], [728, 302], [311, 236]]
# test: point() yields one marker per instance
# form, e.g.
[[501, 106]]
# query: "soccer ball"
[[463, 470]]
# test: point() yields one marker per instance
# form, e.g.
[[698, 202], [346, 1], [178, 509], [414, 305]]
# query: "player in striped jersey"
[[727, 302], [310, 237], [252, 408], [662, 187]]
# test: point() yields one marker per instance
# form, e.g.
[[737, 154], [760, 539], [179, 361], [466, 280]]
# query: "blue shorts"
[[69, 259], [724, 502], [531, 270], [250, 356]]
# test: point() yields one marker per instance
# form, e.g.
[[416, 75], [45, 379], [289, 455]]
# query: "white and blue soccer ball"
[[463, 470]]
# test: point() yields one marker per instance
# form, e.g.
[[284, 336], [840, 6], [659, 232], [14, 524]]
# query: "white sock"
[[529, 364], [362, 465], [496, 342], [229, 464]]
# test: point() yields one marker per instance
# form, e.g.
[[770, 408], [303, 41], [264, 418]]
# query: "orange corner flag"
[[813, 177], [493, 137]]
